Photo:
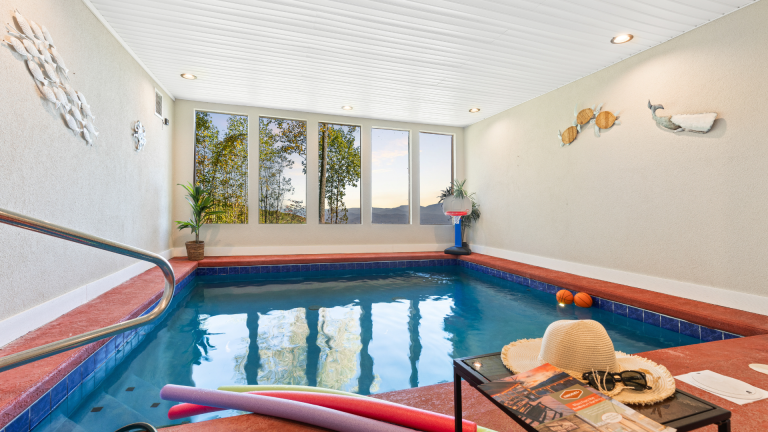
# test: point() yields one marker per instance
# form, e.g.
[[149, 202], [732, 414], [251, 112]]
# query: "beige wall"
[[108, 190], [255, 238], [676, 209]]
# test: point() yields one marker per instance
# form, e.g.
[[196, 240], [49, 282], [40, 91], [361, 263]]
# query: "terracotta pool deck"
[[22, 386]]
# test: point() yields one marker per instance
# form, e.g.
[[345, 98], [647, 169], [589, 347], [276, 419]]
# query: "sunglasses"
[[607, 380]]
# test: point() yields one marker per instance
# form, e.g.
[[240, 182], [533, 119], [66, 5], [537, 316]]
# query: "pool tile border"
[[306, 268], [656, 319], [89, 374]]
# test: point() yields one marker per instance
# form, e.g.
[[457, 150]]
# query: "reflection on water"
[[282, 344], [359, 331], [339, 342]]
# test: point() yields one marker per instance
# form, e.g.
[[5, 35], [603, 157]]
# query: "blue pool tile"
[[709, 335], [670, 323], [119, 339], [255, 269], [315, 267], [88, 366], [99, 375], [19, 424], [652, 318], [432, 263], [242, 270], [359, 266], [634, 313], [233, 270], [285, 268], [690, 329], [401, 264], [596, 302], [509, 277], [552, 289], [39, 410], [99, 356], [368, 265], [525, 281], [620, 309], [413, 264], [727, 335], [110, 364], [606, 305], [305, 267], [74, 378], [58, 393], [88, 384]]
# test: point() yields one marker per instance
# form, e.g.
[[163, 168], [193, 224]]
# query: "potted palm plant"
[[201, 202]]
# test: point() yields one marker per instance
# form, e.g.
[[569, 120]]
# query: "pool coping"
[[24, 404]]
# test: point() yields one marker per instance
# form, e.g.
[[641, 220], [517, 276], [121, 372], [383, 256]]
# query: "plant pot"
[[195, 250]]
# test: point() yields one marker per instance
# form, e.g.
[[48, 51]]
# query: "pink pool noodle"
[[367, 407], [282, 408]]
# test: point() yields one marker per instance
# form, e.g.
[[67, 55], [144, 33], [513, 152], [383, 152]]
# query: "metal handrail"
[[15, 219]]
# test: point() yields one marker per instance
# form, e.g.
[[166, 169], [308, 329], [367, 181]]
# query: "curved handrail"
[[15, 219]]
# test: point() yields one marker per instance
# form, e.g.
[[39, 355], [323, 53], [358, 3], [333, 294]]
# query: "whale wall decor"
[[35, 45], [698, 123]]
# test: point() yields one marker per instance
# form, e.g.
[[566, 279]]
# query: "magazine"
[[550, 400]]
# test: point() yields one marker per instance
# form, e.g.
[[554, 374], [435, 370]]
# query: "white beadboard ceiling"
[[423, 61]]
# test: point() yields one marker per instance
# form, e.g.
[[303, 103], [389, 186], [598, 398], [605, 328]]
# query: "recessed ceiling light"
[[188, 76], [347, 108], [474, 110], [620, 39]]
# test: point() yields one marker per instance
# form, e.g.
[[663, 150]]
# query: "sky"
[[390, 178], [435, 160]]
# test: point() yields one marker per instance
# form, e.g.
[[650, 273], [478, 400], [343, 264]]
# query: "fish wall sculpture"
[[35, 45], [698, 123]]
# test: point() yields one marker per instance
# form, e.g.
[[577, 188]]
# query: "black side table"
[[682, 411]]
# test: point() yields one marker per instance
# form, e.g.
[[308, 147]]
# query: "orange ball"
[[583, 300], [564, 297]]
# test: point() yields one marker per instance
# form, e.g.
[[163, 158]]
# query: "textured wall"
[[255, 238], [639, 199], [108, 190]]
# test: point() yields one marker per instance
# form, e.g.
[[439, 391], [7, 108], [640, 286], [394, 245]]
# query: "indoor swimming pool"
[[363, 331]]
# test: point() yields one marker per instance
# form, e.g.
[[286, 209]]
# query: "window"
[[390, 176], [221, 163], [339, 171], [436, 174], [282, 171]]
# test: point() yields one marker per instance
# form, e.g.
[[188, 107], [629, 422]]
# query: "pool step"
[[141, 397], [106, 411]]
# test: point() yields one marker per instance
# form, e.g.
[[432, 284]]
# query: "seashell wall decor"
[[699, 123], [35, 44], [140, 135]]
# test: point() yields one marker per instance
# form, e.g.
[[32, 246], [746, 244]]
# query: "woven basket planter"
[[195, 251]]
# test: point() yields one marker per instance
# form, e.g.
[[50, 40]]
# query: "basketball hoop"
[[456, 208]]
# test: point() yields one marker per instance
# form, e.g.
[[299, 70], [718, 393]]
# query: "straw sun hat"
[[583, 346]]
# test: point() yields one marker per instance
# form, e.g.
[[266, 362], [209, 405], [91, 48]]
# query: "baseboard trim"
[[22, 323], [304, 250], [707, 294]]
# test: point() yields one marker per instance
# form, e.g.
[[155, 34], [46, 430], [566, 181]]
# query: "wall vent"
[[158, 104]]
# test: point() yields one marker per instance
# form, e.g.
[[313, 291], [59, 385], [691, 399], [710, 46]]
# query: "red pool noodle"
[[282, 408], [366, 407]]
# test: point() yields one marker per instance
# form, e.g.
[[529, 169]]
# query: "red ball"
[[564, 297], [583, 300]]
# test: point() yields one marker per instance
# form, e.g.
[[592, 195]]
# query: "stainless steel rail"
[[47, 350]]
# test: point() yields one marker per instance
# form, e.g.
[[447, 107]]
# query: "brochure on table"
[[550, 400]]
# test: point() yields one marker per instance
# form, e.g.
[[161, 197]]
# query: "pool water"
[[363, 331]]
